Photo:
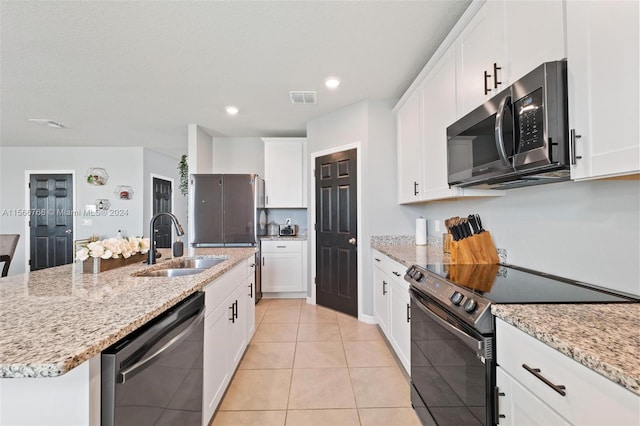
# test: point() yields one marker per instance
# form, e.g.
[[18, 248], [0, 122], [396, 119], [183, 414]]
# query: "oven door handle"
[[477, 345]]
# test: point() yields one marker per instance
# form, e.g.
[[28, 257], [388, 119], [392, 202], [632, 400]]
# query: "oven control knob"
[[470, 305], [456, 297], [417, 275]]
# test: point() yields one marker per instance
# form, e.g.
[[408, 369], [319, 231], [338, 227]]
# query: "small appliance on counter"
[[288, 230], [273, 229]]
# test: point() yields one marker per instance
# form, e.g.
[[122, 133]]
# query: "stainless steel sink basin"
[[199, 262], [172, 272]]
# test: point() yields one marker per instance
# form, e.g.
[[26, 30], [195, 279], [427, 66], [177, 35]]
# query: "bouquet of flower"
[[113, 248]]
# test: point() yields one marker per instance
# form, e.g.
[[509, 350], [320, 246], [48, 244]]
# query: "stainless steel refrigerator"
[[229, 211]]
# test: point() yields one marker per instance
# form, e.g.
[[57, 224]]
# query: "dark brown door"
[[162, 203], [336, 232], [51, 220]]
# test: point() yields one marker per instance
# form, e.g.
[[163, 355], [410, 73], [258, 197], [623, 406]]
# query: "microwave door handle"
[[498, 129]]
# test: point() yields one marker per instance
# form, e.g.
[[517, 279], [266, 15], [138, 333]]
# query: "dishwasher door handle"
[[140, 365]]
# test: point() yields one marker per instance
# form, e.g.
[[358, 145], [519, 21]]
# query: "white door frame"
[[312, 218], [173, 190], [27, 201]]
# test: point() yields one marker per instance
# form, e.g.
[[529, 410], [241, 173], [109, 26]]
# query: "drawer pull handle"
[[536, 372], [281, 246], [377, 260], [397, 274]]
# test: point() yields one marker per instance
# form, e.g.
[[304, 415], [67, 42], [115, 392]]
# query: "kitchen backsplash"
[[297, 216]]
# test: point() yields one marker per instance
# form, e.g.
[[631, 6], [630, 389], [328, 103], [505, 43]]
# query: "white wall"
[[163, 166], [372, 123], [238, 155], [200, 150], [122, 164], [586, 231]]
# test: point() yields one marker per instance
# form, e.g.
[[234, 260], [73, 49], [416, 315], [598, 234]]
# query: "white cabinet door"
[[524, 52], [410, 149], [250, 289], [284, 172], [381, 298], [282, 270], [237, 338], [602, 60], [439, 93], [216, 372], [479, 46], [517, 406], [399, 322]]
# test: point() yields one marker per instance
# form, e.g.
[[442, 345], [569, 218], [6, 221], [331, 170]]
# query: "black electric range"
[[453, 367], [469, 290]]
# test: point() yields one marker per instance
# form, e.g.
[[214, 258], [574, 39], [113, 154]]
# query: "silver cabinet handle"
[[536, 372], [384, 287]]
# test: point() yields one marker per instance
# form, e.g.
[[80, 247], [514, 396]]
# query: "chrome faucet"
[[152, 234]]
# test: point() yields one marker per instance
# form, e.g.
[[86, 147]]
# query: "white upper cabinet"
[[285, 172], [504, 41], [602, 50], [439, 93], [534, 34], [410, 149], [422, 137], [480, 45]]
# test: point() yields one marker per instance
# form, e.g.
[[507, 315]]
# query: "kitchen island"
[[55, 322]]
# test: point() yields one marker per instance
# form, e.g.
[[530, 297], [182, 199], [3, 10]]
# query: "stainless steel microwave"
[[517, 138]]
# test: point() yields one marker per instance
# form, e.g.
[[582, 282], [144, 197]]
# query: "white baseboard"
[[369, 319]]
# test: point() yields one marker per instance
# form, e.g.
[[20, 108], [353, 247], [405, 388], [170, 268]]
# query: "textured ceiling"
[[136, 73]]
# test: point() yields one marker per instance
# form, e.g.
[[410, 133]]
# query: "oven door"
[[452, 371]]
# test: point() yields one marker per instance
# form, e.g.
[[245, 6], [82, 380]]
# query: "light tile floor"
[[311, 366]]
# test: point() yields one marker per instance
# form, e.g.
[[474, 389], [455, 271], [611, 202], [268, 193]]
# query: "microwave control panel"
[[529, 116]]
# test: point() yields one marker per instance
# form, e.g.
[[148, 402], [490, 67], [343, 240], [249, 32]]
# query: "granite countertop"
[[404, 250], [603, 337], [54, 319]]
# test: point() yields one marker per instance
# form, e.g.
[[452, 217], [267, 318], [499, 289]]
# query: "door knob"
[[352, 241], [68, 231]]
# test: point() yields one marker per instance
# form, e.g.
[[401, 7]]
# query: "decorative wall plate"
[[124, 192], [97, 176]]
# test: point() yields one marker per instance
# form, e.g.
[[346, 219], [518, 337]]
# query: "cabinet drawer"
[[590, 398], [218, 290], [281, 246]]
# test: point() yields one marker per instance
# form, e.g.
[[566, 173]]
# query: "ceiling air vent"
[[302, 97]]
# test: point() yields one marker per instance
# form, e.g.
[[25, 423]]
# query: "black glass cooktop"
[[511, 284]]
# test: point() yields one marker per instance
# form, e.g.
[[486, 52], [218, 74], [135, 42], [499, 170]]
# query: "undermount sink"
[[182, 267], [172, 272], [199, 262]]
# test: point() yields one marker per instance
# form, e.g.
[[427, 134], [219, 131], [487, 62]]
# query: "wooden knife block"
[[476, 249]]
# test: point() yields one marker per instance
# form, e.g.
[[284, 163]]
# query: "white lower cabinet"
[[391, 305], [227, 330], [399, 322], [381, 295], [538, 385], [521, 407], [283, 266]]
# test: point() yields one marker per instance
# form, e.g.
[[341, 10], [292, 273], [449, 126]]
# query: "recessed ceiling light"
[[231, 110], [48, 123], [332, 82]]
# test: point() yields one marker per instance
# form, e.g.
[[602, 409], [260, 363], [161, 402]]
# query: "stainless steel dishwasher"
[[154, 375]]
